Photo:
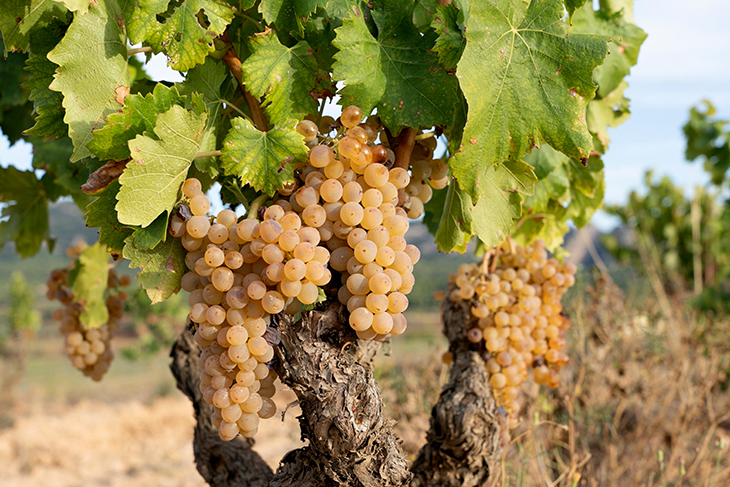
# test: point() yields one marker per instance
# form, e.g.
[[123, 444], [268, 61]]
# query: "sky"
[[685, 59]]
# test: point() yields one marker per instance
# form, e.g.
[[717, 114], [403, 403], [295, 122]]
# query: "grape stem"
[[211, 153], [234, 65], [427, 135], [403, 150], [137, 50], [255, 205]]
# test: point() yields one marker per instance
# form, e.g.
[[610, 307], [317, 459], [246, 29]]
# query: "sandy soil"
[[96, 444]]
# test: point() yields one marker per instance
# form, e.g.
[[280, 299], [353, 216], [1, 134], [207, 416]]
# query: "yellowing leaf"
[[151, 181]]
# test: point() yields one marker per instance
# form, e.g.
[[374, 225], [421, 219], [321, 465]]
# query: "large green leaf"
[[265, 160], [19, 17], [92, 72], [526, 82], [161, 268], [395, 71], [151, 181], [89, 285], [25, 211], [46, 103], [626, 39], [285, 76], [138, 116], [102, 214], [183, 37]]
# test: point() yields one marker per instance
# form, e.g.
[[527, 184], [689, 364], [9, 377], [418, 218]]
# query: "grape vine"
[[487, 119]]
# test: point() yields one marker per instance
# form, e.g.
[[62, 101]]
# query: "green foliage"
[[285, 76], [92, 71], [22, 317], [661, 221], [156, 326], [709, 140], [262, 159], [19, 17], [88, 281], [183, 37], [496, 78], [161, 268], [25, 214], [520, 72], [395, 70], [153, 178]]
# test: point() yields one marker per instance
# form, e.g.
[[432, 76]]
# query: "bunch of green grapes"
[[89, 349], [516, 310]]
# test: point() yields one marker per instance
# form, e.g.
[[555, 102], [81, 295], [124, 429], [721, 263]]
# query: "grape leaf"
[[455, 227], [206, 80], [78, 6], [182, 37], [262, 159], [285, 76], [526, 82], [500, 201], [450, 42], [51, 156], [275, 9], [138, 116], [397, 71], [151, 181], [572, 5], [551, 170], [148, 238], [626, 39], [423, 14], [46, 103], [611, 111], [92, 72], [25, 211], [161, 268], [19, 17], [89, 285], [101, 214]]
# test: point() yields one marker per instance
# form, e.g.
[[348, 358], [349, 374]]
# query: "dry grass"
[[644, 403]]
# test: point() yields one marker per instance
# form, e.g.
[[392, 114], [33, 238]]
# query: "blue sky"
[[685, 59]]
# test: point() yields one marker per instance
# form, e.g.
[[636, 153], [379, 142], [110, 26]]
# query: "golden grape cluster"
[[342, 216], [88, 349], [232, 305], [357, 197], [516, 308]]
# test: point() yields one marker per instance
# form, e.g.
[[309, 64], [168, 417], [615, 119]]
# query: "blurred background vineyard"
[[644, 402]]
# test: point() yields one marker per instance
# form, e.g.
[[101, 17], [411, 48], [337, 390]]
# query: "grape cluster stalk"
[[89, 349], [517, 317], [343, 218]]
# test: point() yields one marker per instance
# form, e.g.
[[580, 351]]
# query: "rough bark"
[[350, 441], [221, 463], [463, 441]]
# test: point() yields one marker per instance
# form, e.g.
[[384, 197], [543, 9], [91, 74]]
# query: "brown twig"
[[234, 64], [403, 150]]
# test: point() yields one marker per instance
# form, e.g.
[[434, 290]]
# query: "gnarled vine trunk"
[[462, 444], [350, 441]]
